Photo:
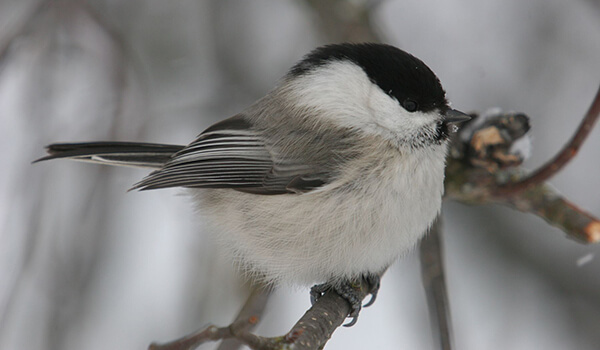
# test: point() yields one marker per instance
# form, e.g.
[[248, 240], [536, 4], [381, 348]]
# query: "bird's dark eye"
[[410, 105]]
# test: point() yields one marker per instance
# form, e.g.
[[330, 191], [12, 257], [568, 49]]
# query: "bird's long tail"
[[134, 154]]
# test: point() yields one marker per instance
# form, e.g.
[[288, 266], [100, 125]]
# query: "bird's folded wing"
[[232, 154]]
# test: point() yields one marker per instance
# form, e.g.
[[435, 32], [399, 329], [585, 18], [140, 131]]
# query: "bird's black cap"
[[398, 73]]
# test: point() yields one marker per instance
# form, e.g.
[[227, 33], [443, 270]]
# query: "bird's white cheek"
[[389, 116]]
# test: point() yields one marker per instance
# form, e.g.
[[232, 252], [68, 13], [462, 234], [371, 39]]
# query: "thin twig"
[[247, 318], [193, 340], [562, 158], [434, 283]]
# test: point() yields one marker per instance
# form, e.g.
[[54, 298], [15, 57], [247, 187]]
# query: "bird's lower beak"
[[453, 116]]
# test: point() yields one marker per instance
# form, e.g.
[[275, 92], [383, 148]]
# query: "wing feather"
[[233, 154]]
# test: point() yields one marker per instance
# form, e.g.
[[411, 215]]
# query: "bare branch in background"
[[434, 283], [122, 55], [562, 158], [9, 33], [342, 20], [245, 321], [52, 35]]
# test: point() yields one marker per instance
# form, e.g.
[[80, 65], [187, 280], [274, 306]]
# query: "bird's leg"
[[350, 291]]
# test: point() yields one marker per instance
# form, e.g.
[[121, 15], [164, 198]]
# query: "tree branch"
[[472, 180], [475, 187], [245, 321], [562, 158], [434, 283], [542, 200], [248, 317], [318, 324], [311, 332]]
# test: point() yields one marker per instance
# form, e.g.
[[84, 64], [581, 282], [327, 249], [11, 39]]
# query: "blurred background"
[[86, 265]]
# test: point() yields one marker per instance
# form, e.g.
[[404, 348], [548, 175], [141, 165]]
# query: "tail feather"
[[145, 155]]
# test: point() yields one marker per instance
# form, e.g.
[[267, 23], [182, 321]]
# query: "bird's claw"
[[374, 282], [349, 290]]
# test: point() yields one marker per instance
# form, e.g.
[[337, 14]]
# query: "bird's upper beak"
[[453, 116]]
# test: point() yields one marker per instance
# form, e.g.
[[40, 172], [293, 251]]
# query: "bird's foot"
[[350, 291]]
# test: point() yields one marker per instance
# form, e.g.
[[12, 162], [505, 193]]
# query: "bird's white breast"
[[357, 224]]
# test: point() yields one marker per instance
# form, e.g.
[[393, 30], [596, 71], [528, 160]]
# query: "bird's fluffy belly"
[[331, 234]]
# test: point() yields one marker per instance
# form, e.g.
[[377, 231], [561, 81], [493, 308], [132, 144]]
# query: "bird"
[[326, 180]]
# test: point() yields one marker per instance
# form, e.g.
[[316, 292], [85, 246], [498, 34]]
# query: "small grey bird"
[[327, 179]]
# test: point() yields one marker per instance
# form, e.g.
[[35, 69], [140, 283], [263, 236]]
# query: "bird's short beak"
[[453, 116]]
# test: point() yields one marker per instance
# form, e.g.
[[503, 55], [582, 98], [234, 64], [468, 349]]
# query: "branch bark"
[[244, 322], [434, 283], [311, 332], [476, 186], [562, 158]]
